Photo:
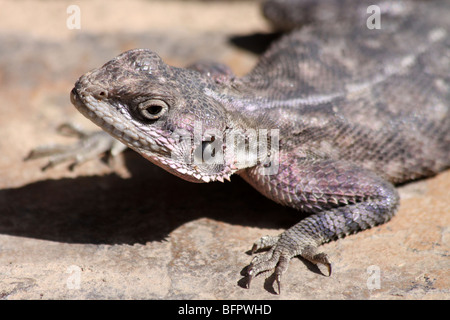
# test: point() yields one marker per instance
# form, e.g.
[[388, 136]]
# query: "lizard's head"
[[160, 111]]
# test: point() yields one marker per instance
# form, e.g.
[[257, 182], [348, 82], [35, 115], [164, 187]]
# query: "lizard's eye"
[[153, 109]]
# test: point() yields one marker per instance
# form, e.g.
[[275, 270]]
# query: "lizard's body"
[[357, 110]]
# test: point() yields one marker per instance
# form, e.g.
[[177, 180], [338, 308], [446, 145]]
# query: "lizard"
[[348, 111]]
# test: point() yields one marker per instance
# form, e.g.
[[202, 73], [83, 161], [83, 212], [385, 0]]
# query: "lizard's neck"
[[249, 108]]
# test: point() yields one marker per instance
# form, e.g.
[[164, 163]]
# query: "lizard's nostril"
[[100, 93]]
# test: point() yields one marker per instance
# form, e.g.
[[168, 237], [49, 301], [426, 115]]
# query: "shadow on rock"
[[147, 207]]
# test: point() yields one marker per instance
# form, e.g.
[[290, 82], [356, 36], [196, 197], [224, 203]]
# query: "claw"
[[47, 166], [278, 280], [72, 130], [329, 269], [249, 277], [249, 282]]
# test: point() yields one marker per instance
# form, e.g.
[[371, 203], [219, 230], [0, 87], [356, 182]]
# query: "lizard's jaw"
[[154, 145], [119, 124]]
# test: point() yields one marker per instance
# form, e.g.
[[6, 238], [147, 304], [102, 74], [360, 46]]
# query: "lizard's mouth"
[[75, 99], [81, 106]]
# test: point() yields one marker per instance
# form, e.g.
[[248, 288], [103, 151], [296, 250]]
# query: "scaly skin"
[[356, 111]]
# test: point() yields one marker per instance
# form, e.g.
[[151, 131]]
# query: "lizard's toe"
[[265, 242], [311, 254], [90, 145], [265, 262], [279, 255]]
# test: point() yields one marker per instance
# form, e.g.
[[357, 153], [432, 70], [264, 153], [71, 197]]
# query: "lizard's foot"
[[281, 250], [89, 146]]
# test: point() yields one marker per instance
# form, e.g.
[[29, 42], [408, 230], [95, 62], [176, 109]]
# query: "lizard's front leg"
[[341, 197], [90, 145]]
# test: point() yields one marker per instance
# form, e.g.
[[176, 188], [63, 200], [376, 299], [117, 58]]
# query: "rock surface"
[[134, 231]]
